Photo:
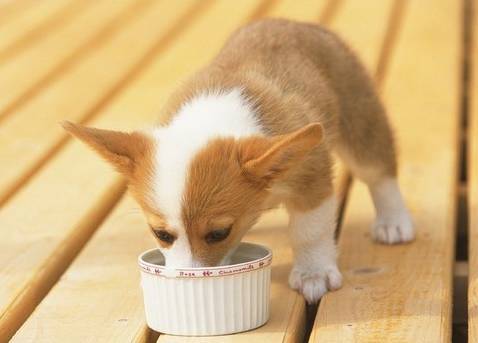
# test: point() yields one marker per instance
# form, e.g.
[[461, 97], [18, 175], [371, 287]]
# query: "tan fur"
[[285, 151], [293, 74], [215, 189], [229, 180]]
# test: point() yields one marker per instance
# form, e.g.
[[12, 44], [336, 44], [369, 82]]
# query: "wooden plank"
[[365, 40], [64, 224], [35, 250], [10, 9], [106, 274], [472, 173], [28, 72], [309, 10], [31, 135], [35, 22], [403, 293], [156, 81]]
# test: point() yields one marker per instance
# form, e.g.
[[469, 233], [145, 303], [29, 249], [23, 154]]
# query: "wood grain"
[[31, 134], [403, 293], [35, 21], [98, 298], [11, 9], [38, 65]]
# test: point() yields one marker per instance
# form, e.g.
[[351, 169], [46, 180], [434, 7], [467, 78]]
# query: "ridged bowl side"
[[207, 306]]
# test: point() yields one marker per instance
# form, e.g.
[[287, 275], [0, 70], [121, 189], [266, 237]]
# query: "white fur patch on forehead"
[[205, 117]]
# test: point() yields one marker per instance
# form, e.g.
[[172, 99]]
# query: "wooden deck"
[[70, 236]]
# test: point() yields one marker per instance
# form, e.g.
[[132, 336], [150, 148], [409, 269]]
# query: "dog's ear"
[[269, 158], [123, 150]]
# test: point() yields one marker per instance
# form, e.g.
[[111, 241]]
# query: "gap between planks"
[[472, 173], [461, 275]]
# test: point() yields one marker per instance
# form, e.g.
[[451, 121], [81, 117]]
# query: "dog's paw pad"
[[313, 285], [394, 229]]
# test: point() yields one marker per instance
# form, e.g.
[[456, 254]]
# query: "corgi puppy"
[[254, 129]]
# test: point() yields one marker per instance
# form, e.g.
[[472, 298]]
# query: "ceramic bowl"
[[210, 300]]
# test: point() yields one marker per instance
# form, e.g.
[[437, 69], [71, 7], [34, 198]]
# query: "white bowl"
[[207, 301]]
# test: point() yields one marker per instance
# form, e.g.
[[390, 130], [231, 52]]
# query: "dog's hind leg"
[[366, 145]]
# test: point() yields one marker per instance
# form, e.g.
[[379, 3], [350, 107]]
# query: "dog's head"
[[199, 202]]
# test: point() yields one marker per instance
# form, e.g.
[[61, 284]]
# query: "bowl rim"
[[201, 272]]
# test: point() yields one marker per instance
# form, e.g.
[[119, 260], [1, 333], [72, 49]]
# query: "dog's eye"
[[217, 235], [164, 236]]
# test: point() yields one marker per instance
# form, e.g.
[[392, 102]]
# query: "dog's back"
[[297, 73]]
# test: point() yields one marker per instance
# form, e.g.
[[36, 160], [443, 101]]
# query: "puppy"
[[253, 129]]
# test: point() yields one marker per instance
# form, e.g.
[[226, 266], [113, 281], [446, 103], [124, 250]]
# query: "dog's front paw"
[[394, 228], [314, 284]]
